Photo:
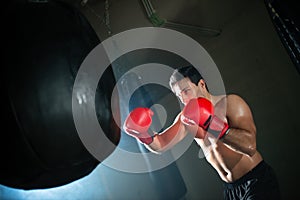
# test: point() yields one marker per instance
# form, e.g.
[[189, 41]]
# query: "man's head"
[[187, 83]]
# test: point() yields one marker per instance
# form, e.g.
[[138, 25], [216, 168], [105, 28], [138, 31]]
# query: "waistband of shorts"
[[254, 173]]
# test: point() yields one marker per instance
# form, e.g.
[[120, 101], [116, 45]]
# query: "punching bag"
[[44, 44]]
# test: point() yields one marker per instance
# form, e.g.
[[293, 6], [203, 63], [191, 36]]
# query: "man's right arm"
[[169, 137], [137, 125]]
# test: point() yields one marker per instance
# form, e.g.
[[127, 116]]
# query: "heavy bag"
[[44, 45]]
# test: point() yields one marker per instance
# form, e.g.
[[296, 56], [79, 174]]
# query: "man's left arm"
[[241, 136]]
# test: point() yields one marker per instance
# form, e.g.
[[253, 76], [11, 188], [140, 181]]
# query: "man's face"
[[185, 90]]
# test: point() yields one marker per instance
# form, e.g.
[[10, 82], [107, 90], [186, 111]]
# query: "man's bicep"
[[239, 114]]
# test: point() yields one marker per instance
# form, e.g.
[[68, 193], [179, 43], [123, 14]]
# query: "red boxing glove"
[[137, 124], [200, 111]]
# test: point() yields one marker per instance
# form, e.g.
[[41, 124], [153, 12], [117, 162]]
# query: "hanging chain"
[[104, 19]]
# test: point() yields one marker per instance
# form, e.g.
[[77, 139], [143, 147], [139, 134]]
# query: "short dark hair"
[[185, 72]]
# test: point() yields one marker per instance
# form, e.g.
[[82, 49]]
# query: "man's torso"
[[230, 164]]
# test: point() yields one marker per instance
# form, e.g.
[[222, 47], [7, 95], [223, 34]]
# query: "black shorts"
[[259, 183]]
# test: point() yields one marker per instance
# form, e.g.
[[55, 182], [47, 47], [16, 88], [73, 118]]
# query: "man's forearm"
[[241, 141]]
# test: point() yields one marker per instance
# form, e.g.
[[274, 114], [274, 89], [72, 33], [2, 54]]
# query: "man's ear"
[[202, 84]]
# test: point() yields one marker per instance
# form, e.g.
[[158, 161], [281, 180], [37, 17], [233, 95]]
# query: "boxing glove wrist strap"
[[218, 128], [224, 133], [148, 137], [217, 133], [147, 140]]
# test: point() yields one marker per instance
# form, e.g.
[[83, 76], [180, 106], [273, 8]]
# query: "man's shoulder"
[[233, 97], [221, 99], [236, 101], [230, 100]]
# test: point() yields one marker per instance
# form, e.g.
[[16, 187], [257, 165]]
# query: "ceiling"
[[203, 18]]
